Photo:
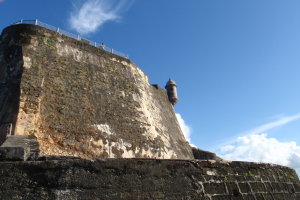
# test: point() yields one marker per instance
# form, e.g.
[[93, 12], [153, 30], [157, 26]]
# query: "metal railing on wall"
[[72, 35]]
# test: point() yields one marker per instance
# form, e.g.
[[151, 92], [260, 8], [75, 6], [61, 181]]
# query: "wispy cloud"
[[271, 125], [261, 148], [2, 1], [283, 120], [184, 127], [88, 16], [255, 145]]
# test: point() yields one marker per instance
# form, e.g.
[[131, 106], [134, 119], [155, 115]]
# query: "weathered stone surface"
[[204, 155], [19, 148], [145, 179], [14, 153], [79, 100]]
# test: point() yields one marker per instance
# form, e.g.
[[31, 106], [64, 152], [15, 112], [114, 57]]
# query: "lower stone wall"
[[68, 178]]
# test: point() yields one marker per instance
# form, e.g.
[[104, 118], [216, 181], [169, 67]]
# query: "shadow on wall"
[[11, 69]]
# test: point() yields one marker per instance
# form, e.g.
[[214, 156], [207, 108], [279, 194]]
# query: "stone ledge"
[[13, 153], [70, 178], [19, 148]]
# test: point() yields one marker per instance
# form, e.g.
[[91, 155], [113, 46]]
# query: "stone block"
[[258, 187], [245, 187], [297, 186], [269, 186], [233, 189], [278, 187], [268, 197], [214, 188], [249, 197], [18, 148], [259, 196], [226, 197], [14, 153], [200, 154], [279, 196]]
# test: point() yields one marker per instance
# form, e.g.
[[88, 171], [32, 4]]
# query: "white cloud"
[[90, 15], [261, 148], [184, 127], [263, 128], [271, 125]]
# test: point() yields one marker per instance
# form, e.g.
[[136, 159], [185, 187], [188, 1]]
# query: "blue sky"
[[236, 63]]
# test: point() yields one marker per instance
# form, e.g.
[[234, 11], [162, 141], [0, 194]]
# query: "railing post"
[[10, 129], [37, 22]]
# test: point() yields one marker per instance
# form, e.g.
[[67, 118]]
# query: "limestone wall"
[[146, 179], [81, 101]]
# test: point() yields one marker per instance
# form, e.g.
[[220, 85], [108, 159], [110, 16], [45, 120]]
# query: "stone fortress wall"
[[104, 132], [79, 100]]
